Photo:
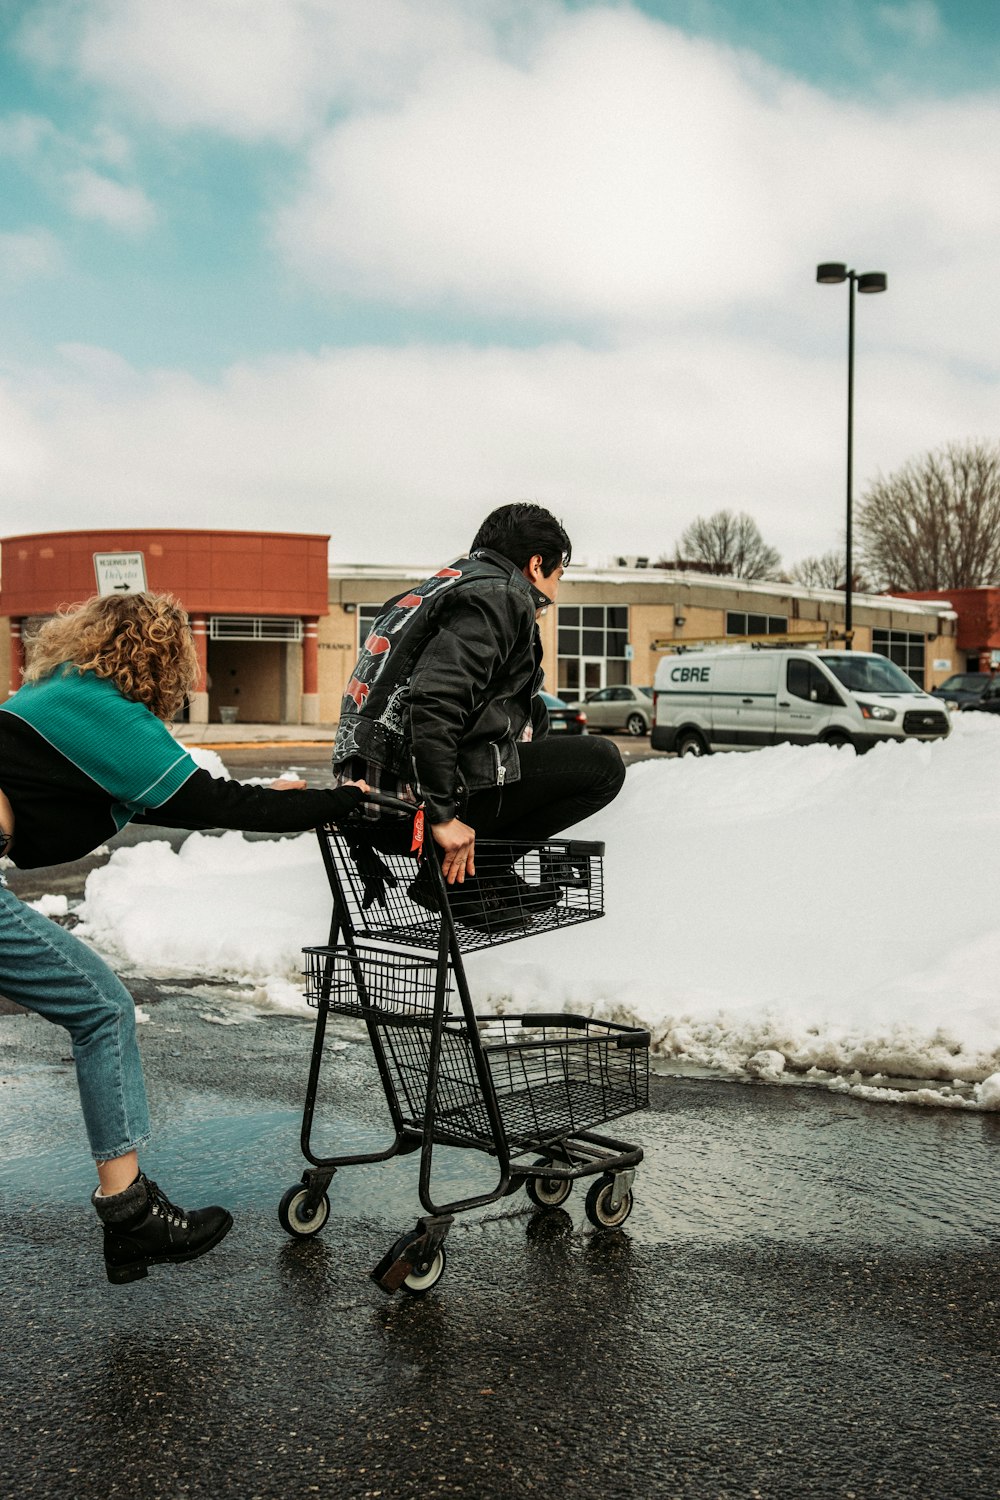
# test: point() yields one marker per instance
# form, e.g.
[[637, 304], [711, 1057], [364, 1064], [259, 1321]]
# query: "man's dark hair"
[[522, 531]]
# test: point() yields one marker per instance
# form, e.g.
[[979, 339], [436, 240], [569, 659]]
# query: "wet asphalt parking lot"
[[803, 1302]]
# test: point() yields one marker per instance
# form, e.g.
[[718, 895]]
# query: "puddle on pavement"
[[831, 1173], [724, 1162]]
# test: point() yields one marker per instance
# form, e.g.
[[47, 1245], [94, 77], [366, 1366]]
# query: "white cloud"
[[631, 175], [28, 253], [26, 456], [72, 165], [399, 452], [35, 139], [586, 170], [91, 195], [255, 69], [917, 21]]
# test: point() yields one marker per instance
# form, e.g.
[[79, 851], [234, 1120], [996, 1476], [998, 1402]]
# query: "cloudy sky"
[[373, 266]]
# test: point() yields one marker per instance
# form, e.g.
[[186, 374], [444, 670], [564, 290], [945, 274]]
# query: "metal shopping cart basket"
[[528, 1090]]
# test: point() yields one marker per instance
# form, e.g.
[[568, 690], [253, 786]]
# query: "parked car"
[[988, 701], [962, 688], [563, 719], [614, 709]]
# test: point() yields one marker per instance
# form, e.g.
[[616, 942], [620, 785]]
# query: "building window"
[[367, 615], [905, 648], [254, 628], [592, 642], [738, 623]]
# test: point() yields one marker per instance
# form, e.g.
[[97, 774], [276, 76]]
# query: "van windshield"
[[869, 674]]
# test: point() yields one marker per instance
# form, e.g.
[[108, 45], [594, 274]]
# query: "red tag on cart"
[[417, 846]]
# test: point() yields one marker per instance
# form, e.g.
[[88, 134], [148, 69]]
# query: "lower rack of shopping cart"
[[527, 1090]]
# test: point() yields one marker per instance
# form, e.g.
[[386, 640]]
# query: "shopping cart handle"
[[397, 804], [628, 1036]]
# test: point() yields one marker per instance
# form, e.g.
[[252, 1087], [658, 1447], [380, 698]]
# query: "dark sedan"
[[962, 689], [988, 701], [562, 718]]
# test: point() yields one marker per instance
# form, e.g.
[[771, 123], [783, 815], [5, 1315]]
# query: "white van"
[[741, 699]]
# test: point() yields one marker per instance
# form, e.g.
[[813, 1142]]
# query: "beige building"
[[612, 625]]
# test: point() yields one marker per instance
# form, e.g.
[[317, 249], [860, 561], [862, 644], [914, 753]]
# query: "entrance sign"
[[120, 572]]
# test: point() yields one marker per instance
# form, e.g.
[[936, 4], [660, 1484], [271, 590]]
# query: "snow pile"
[[221, 906], [782, 911], [834, 909], [51, 906], [209, 760]]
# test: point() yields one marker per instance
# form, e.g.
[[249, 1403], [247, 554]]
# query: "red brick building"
[[255, 599], [978, 636]]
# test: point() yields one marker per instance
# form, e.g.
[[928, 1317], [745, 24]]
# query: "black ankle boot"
[[142, 1228], [488, 903], [478, 902]]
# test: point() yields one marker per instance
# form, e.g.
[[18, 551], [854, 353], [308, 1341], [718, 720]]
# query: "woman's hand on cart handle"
[[346, 798], [458, 841]]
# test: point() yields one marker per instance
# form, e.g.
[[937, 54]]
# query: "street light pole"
[[831, 273], [849, 539]]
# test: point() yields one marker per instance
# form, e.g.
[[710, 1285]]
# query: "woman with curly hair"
[[84, 749]]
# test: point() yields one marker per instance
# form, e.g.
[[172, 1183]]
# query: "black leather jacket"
[[445, 684]]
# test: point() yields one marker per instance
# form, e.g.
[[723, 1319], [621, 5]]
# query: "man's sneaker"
[[562, 870], [142, 1228], [531, 899]]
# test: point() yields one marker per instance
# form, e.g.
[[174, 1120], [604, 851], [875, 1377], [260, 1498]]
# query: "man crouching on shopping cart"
[[443, 709]]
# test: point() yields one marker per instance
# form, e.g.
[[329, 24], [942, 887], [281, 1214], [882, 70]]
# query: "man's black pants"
[[564, 779]]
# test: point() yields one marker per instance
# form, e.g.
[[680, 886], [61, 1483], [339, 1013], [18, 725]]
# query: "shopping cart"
[[527, 1090]]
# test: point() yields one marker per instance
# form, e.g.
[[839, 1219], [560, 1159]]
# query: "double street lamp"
[[831, 273]]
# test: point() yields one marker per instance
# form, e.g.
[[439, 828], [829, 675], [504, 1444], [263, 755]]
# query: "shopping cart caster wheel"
[[548, 1192], [295, 1218], [598, 1205], [391, 1273], [426, 1274]]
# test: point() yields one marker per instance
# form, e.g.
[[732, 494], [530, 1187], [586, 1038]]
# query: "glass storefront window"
[[592, 641], [905, 648]]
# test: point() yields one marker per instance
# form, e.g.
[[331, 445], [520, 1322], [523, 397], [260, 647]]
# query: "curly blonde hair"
[[141, 641]]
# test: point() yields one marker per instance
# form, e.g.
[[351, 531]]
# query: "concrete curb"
[[232, 736]]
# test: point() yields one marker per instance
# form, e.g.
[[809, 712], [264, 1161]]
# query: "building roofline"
[[668, 577], [726, 583], [34, 536]]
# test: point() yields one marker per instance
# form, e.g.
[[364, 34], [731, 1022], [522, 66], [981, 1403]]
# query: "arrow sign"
[[120, 572]]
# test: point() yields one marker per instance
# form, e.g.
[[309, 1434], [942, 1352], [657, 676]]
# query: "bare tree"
[[730, 544], [935, 523], [828, 572]]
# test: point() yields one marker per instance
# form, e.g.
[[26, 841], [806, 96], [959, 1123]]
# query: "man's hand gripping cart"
[[527, 1090]]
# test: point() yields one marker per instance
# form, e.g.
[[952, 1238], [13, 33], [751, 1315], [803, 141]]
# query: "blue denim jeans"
[[46, 969]]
